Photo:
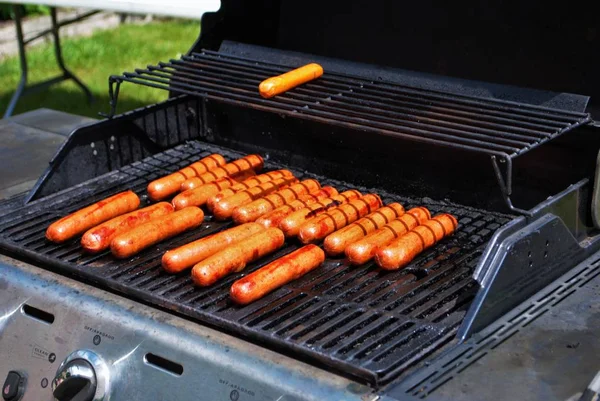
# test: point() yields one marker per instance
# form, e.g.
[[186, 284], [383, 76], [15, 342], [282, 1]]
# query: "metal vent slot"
[[359, 321]]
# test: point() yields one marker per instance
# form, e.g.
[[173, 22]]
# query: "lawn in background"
[[93, 60]]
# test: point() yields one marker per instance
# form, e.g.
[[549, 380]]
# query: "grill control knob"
[[76, 381], [83, 376]]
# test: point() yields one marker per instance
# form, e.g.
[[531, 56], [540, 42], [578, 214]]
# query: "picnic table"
[[190, 9]]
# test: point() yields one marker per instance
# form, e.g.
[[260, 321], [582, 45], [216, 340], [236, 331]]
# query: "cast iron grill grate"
[[362, 322]]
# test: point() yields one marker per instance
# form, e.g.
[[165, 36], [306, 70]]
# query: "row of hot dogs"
[[268, 208]]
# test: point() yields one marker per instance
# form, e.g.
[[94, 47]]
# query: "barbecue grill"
[[516, 166]]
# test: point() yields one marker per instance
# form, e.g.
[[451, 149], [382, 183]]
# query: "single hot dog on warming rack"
[[98, 238], [364, 250], [277, 273], [336, 242], [235, 257], [291, 224], [188, 255], [166, 186], [133, 241], [233, 169], [258, 207], [90, 216], [318, 228], [405, 248], [284, 82], [273, 218]]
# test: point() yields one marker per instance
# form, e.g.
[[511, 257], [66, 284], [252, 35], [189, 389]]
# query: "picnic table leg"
[[23, 63], [59, 58]]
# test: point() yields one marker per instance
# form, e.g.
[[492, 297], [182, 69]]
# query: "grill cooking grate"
[[360, 321]]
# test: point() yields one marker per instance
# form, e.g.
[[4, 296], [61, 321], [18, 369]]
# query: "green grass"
[[93, 60]]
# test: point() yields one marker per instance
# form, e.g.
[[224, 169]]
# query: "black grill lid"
[[535, 45]]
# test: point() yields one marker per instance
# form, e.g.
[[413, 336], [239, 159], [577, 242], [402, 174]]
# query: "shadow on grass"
[[69, 98]]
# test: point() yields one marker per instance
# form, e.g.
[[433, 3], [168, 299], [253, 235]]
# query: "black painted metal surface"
[[359, 321]]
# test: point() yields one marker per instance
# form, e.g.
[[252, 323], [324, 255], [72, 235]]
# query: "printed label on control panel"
[[98, 334], [37, 351], [237, 391]]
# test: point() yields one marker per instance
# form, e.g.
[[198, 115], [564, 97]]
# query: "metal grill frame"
[[501, 129], [352, 311]]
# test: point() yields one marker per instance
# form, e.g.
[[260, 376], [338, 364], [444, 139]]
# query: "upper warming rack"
[[501, 129]]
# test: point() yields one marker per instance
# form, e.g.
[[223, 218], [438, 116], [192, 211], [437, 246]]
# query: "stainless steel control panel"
[[67, 339]]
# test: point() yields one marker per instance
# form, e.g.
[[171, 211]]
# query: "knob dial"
[[83, 376], [76, 381]]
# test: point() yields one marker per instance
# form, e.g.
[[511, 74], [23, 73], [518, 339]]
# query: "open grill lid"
[[533, 45]]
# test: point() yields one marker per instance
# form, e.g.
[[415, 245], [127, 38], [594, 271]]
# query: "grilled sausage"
[[99, 238], [90, 216], [403, 250], [188, 255], [167, 186], [272, 219], [364, 250], [258, 207], [335, 243], [199, 196], [277, 273], [235, 257], [245, 164], [246, 184], [291, 224], [133, 241], [284, 82], [316, 229], [224, 208]]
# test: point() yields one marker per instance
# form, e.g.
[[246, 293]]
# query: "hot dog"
[[99, 238], [200, 195], [316, 229], [335, 243], [246, 184], [245, 164], [364, 250], [167, 186], [188, 255], [258, 207], [272, 219], [88, 217], [403, 250], [235, 257], [224, 208], [284, 82], [133, 241], [277, 273], [291, 224]]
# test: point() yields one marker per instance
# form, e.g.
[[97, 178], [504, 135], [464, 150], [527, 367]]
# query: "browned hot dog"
[[133, 241], [236, 167], [403, 250], [98, 238], [318, 228], [277, 273], [234, 258], [364, 250], [88, 217], [224, 208], [290, 225], [246, 184], [188, 255], [272, 219], [166, 186], [198, 196], [258, 207], [335, 243]]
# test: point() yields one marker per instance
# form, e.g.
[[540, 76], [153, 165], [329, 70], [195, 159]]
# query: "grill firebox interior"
[[360, 321]]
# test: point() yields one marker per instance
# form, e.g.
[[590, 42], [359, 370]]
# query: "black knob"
[[14, 386], [76, 381]]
